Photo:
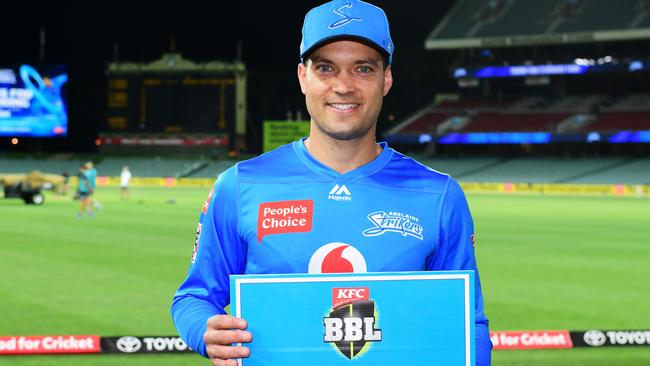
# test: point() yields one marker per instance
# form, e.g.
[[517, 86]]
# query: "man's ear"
[[388, 79], [302, 76]]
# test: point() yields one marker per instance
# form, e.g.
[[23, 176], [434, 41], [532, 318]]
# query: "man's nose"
[[343, 83]]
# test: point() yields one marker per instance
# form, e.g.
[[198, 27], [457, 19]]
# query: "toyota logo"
[[594, 338], [128, 344]]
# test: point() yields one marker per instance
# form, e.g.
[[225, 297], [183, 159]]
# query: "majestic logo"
[[350, 324], [594, 338], [346, 18], [396, 222], [128, 344], [196, 241], [337, 258], [284, 217], [340, 193]]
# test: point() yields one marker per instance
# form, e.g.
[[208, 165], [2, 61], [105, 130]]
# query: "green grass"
[[547, 262]]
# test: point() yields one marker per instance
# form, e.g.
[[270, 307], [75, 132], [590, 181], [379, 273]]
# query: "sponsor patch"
[[350, 325], [196, 241], [395, 222], [339, 193], [337, 258], [284, 217], [206, 204]]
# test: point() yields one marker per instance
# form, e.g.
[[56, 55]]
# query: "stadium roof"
[[507, 23]]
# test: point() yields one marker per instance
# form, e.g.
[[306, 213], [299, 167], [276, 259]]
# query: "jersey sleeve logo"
[[206, 204], [284, 217]]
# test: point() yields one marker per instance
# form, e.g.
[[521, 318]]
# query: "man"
[[330, 202], [84, 190], [91, 172], [125, 178]]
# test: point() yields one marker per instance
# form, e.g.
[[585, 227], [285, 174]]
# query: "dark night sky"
[[82, 36]]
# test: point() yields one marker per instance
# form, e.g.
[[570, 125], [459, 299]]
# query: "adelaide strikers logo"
[[350, 326], [337, 258]]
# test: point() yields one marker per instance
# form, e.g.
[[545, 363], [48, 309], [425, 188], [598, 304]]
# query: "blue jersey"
[[84, 183], [92, 177], [285, 212]]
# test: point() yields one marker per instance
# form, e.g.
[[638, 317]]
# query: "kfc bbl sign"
[[350, 325]]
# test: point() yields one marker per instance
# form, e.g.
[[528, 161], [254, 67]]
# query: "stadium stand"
[[633, 172], [460, 167], [212, 169], [535, 169], [108, 166], [515, 122], [548, 170], [570, 114], [499, 18], [616, 121]]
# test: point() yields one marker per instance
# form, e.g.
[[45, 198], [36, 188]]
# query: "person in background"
[[66, 182], [91, 172], [125, 178], [84, 191]]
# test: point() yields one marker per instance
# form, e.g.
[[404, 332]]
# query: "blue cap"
[[346, 18]]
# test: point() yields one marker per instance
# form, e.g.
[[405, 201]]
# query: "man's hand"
[[222, 331]]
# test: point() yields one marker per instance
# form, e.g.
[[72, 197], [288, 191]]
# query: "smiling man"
[[335, 201]]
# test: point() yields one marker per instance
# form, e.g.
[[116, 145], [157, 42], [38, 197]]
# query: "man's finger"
[[220, 362], [226, 337], [226, 322], [227, 352]]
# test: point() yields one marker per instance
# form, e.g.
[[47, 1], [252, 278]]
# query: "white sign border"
[[378, 277]]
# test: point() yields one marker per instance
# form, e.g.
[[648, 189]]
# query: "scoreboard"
[[174, 95]]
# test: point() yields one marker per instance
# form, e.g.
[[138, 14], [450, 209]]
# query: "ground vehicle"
[[29, 186]]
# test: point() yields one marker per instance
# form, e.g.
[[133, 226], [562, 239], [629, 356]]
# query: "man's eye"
[[324, 68], [364, 69]]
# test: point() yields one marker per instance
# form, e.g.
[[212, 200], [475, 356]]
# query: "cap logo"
[[346, 18]]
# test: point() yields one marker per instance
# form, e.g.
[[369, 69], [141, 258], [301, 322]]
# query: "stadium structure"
[[558, 75], [554, 91]]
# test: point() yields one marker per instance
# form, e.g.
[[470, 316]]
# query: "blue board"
[[388, 318]]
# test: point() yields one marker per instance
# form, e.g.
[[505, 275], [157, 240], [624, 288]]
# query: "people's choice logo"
[[595, 338], [128, 344], [346, 18], [284, 217], [337, 258]]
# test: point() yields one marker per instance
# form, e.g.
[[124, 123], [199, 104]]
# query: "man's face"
[[344, 83]]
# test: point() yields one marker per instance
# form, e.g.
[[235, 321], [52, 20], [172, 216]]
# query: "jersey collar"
[[363, 171]]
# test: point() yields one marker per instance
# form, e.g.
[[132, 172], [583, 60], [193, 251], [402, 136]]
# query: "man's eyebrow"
[[368, 61], [316, 59]]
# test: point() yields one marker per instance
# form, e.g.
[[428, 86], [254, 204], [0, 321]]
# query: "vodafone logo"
[[337, 258]]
